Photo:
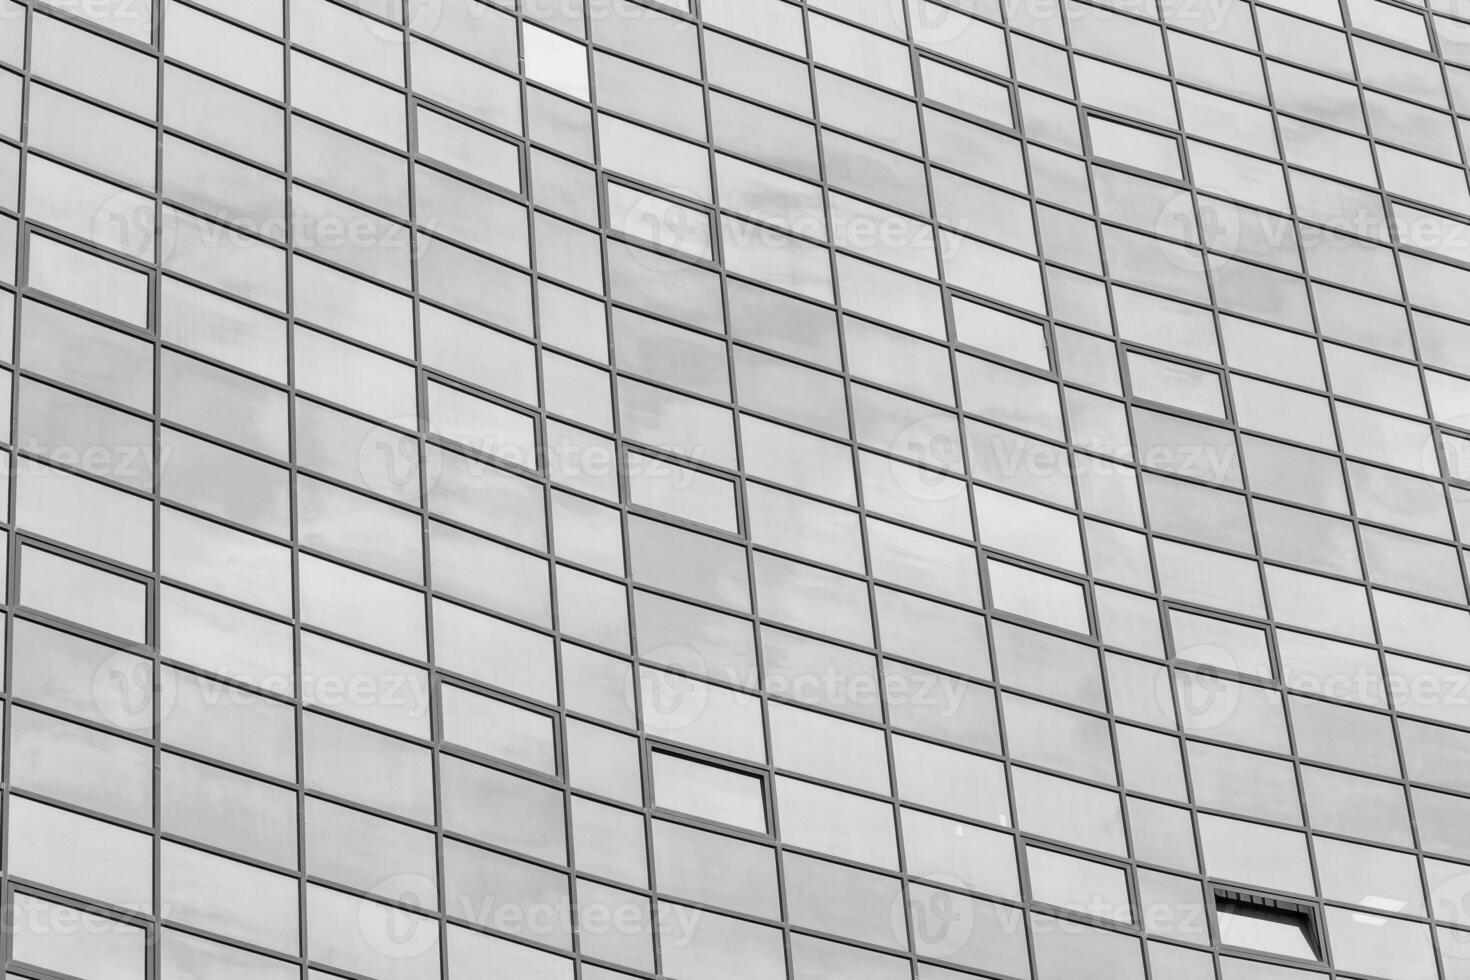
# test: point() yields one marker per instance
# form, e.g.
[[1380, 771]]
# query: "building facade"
[[735, 489]]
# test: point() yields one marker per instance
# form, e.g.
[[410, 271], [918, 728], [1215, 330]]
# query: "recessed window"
[[1136, 147], [1267, 925], [715, 793]]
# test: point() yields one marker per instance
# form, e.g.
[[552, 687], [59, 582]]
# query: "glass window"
[[93, 65], [503, 810], [1038, 596], [226, 810], [768, 21], [1245, 783], [76, 130], [487, 573], [1176, 384], [718, 947], [233, 54], [966, 92], [716, 869], [109, 288], [1059, 738], [225, 640], [497, 728], [806, 742], [352, 167], [258, 572], [804, 527], [1267, 926], [1255, 854], [369, 938], [1093, 889], [1220, 708], [1068, 811], [84, 513], [1048, 665], [860, 53], [460, 210], [351, 101], [723, 795], [752, 70], [68, 940], [348, 37], [228, 723], [221, 328], [610, 842], [356, 764], [81, 766], [792, 661], [659, 220], [474, 151], [72, 853], [649, 35], [234, 263], [954, 854], [225, 483], [492, 650], [82, 677], [507, 894], [182, 954], [1217, 643], [483, 31], [653, 159], [359, 529], [84, 594], [838, 823], [226, 117], [556, 62], [111, 363], [1375, 944]]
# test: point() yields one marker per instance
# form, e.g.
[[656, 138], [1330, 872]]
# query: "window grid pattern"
[[765, 490]]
